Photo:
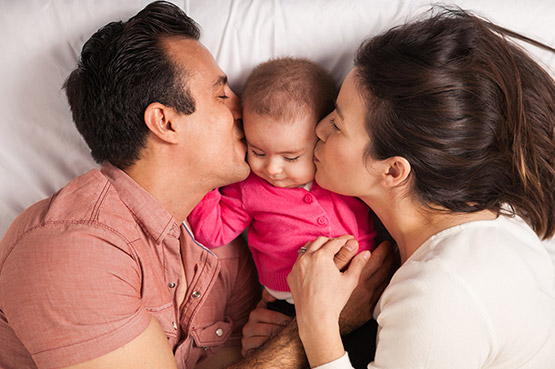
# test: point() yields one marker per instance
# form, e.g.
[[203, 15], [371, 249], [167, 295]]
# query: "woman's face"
[[339, 155]]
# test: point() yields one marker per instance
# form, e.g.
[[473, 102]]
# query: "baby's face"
[[280, 152]]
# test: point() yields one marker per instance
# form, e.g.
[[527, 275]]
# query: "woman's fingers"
[[329, 245], [319, 288], [316, 244]]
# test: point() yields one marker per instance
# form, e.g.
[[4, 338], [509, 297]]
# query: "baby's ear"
[[158, 119], [395, 171]]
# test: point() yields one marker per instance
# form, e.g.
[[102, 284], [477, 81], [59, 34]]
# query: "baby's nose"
[[273, 168]]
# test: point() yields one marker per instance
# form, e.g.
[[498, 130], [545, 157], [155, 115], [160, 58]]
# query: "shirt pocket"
[[214, 335]]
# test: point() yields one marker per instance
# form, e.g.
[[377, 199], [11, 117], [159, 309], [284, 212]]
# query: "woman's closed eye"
[[333, 125], [258, 154]]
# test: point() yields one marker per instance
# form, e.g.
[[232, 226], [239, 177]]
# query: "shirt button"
[[174, 325], [196, 294], [322, 221], [171, 284], [308, 198], [219, 332]]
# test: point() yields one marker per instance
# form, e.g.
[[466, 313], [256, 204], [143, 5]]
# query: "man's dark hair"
[[123, 68]]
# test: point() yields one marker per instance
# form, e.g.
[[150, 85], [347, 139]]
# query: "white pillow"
[[40, 149]]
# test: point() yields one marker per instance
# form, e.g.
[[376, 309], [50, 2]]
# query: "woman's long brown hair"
[[471, 111]]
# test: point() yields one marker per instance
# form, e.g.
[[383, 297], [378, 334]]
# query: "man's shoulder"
[[87, 204], [233, 251]]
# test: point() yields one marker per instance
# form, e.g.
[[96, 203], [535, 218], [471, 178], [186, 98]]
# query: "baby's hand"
[[263, 324]]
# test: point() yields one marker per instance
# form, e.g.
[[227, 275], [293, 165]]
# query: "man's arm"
[[283, 351], [373, 280], [149, 350]]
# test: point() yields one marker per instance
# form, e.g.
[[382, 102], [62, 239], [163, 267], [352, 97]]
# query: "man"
[[102, 274]]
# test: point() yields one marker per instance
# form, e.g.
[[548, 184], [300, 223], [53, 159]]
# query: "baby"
[[283, 100]]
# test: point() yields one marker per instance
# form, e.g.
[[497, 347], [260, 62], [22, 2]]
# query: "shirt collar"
[[153, 218]]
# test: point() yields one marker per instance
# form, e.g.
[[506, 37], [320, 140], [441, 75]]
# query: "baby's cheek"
[[256, 167]]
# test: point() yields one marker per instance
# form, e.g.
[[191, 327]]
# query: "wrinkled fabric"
[[83, 272]]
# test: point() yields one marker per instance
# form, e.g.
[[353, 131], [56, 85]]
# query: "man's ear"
[[158, 119], [395, 171]]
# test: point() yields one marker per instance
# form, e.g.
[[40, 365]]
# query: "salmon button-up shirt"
[[83, 272]]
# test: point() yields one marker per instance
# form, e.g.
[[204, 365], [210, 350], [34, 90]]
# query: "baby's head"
[[283, 100]]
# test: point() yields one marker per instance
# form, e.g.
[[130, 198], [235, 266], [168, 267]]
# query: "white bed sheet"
[[40, 149]]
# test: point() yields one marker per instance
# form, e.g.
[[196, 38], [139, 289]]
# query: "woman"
[[446, 130]]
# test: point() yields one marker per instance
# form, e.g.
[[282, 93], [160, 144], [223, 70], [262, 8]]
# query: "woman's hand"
[[320, 291]]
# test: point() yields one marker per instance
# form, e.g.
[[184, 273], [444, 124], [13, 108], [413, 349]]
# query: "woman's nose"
[[322, 129]]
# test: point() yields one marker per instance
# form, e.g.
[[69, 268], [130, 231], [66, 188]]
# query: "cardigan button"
[[196, 294], [322, 221], [308, 198]]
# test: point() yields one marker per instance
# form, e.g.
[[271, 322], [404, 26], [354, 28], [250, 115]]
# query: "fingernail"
[[351, 245], [366, 255]]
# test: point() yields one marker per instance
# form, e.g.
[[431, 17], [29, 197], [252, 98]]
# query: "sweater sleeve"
[[429, 318], [342, 363], [220, 218]]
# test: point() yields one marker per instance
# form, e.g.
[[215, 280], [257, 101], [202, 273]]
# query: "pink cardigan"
[[280, 221]]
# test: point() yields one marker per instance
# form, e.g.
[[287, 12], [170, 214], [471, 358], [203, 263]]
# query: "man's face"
[[212, 135]]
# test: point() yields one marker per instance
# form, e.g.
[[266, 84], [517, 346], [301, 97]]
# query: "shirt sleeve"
[[429, 318], [220, 217], [72, 296]]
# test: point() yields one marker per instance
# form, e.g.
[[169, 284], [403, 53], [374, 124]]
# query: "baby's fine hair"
[[288, 88]]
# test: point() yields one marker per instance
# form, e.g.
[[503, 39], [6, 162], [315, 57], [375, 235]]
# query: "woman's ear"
[[158, 119], [396, 171]]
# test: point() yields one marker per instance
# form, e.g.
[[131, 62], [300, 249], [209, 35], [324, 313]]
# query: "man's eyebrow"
[[222, 80], [338, 111]]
